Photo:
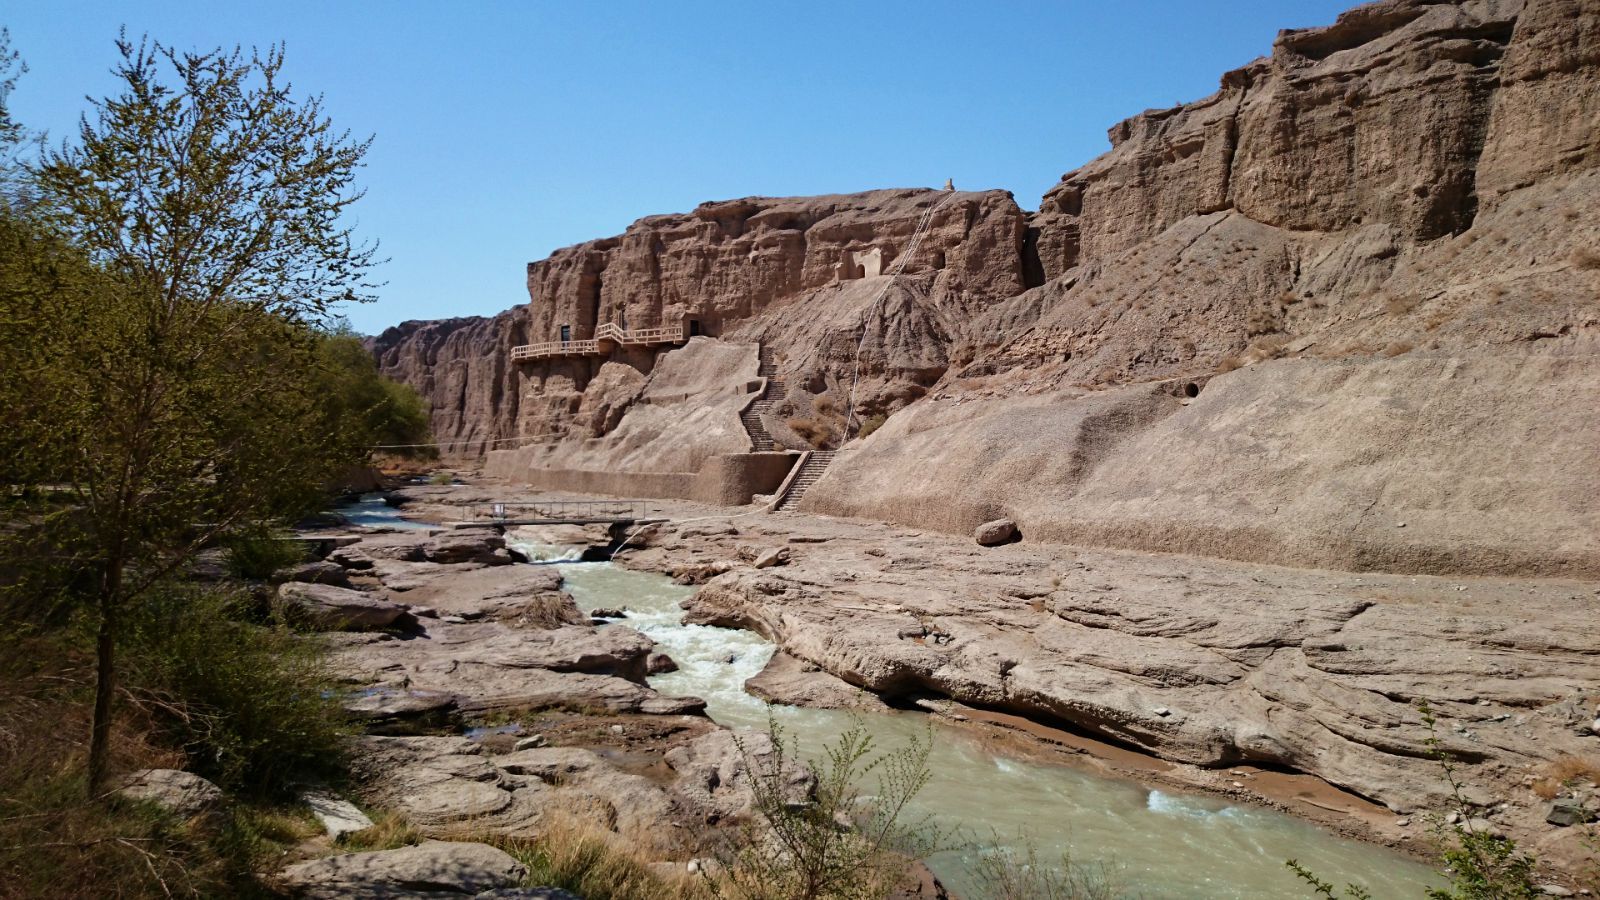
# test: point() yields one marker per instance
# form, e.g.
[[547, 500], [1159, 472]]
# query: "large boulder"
[[319, 571], [991, 534], [474, 545], [429, 868], [793, 682], [181, 793], [337, 608]]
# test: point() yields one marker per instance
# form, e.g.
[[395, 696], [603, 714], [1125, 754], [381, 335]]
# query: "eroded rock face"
[[1379, 238], [1203, 662], [728, 266]]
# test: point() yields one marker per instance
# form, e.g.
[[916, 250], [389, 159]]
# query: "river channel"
[[1155, 843]]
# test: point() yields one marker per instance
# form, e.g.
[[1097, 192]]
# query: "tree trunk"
[[104, 684]]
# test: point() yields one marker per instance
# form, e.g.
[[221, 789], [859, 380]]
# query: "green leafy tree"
[[159, 331], [374, 410]]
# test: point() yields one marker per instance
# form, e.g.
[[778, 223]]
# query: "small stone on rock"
[[999, 531], [531, 742], [775, 557]]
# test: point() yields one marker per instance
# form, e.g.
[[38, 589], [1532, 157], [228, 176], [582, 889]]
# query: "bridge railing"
[[556, 348], [565, 510], [607, 333]]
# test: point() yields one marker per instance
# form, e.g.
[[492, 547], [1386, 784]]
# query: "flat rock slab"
[[529, 596], [793, 682], [337, 608], [319, 571], [1198, 661], [181, 793], [338, 816], [473, 545], [430, 868], [491, 665]]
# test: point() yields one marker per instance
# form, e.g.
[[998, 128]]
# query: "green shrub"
[[840, 843], [255, 555], [1480, 865], [56, 842], [252, 707]]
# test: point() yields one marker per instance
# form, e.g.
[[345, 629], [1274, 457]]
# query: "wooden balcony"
[[607, 337]]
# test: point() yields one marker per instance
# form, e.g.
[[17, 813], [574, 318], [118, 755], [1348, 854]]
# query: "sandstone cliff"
[[1340, 313]]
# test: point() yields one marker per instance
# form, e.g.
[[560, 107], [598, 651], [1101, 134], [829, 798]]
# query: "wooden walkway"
[[607, 337]]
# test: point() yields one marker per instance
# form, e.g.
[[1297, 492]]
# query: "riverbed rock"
[[441, 783], [1297, 669], [490, 665], [351, 558], [338, 816], [775, 556], [181, 793], [1567, 812], [991, 534], [431, 868], [792, 682], [328, 607], [401, 709], [523, 596], [714, 773], [319, 571], [466, 545]]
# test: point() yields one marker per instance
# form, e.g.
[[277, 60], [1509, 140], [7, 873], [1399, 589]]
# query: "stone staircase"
[[760, 439], [810, 471]]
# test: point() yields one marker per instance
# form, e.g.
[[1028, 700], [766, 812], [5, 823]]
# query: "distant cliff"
[[1343, 312]]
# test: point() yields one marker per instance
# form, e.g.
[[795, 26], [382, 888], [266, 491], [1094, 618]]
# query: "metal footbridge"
[[562, 512]]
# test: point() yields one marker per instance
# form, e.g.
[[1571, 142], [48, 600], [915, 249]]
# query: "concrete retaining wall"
[[725, 480]]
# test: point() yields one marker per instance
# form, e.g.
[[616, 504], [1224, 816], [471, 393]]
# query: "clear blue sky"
[[506, 130]]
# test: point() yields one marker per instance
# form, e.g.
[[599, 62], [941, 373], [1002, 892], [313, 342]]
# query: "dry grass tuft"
[[593, 863], [811, 431], [389, 831], [1401, 304], [1564, 772], [1262, 321], [1586, 258]]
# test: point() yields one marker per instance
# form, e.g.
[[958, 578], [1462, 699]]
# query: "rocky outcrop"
[[743, 270], [481, 637], [1353, 288], [1209, 663]]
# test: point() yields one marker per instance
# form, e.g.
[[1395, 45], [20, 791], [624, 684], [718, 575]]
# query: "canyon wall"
[[1343, 313]]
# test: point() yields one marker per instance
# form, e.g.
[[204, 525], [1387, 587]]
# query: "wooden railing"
[[605, 337]]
